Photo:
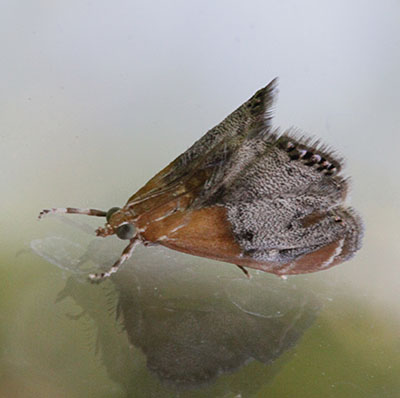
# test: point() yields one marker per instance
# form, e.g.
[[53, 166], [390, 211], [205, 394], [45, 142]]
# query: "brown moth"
[[243, 194]]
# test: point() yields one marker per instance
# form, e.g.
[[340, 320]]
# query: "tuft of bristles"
[[308, 150]]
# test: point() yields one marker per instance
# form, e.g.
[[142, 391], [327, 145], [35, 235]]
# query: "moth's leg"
[[73, 210], [244, 270], [126, 254]]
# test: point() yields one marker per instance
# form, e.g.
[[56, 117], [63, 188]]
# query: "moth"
[[246, 194]]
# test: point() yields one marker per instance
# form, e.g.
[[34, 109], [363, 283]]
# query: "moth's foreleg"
[[73, 210], [126, 254]]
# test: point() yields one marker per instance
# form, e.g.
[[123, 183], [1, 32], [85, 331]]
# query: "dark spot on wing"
[[246, 235]]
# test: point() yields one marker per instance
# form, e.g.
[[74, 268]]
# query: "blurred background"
[[95, 98]]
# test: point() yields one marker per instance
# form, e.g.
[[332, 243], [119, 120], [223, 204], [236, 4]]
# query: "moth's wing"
[[196, 166], [285, 199], [268, 164]]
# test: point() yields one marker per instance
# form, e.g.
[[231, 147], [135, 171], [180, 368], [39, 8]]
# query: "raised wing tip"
[[272, 87], [260, 105]]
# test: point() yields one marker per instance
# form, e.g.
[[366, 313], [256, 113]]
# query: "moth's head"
[[118, 224]]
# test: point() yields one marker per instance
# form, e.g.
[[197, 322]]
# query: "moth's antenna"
[[72, 210]]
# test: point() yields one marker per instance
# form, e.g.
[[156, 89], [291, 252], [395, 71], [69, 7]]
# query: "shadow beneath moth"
[[243, 194]]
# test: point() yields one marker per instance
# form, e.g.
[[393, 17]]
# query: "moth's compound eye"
[[111, 212], [125, 231]]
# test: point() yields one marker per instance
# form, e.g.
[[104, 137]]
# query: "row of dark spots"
[[309, 158]]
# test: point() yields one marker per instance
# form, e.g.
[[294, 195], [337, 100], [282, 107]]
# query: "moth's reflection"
[[193, 320], [192, 332]]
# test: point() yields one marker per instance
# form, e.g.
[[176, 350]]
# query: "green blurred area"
[[49, 349]]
